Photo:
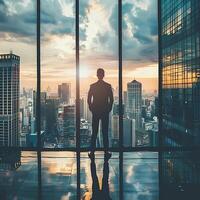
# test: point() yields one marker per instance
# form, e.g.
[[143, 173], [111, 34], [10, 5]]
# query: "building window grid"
[[187, 72]]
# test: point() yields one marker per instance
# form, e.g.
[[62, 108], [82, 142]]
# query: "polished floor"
[[59, 176]]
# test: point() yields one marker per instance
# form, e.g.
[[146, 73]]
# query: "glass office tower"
[[9, 99], [180, 69], [181, 72], [134, 97]]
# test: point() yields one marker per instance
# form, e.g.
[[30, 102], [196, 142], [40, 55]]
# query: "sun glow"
[[84, 72]]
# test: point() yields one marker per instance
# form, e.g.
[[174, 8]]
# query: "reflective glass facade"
[[180, 54], [180, 98]]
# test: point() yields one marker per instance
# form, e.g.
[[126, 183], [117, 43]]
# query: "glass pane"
[[18, 175], [141, 176], [59, 175], [180, 71], [140, 72], [17, 72], [180, 175], [58, 73], [99, 49], [100, 177]]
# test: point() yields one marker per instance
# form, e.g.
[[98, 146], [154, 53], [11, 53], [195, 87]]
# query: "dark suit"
[[100, 101]]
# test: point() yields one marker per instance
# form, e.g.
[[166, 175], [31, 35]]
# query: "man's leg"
[[105, 123], [95, 181], [95, 128], [105, 184]]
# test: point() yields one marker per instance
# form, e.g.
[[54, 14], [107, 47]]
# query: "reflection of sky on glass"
[[141, 176], [20, 183], [98, 39], [59, 176], [86, 180]]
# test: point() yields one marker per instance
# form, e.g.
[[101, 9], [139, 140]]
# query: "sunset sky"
[[98, 40]]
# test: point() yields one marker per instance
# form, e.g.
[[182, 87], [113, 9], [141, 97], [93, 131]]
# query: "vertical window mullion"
[[120, 99], [77, 101], [38, 102], [160, 152]]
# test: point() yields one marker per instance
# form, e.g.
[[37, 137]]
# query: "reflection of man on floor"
[[102, 194], [100, 101]]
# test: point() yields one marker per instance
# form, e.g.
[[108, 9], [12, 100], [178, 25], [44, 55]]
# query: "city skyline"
[[58, 116]]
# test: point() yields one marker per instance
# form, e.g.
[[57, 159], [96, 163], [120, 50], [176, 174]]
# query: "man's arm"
[[111, 99], [89, 99]]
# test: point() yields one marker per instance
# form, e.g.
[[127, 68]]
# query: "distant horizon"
[[149, 85]]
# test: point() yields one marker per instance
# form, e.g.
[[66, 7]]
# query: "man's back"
[[100, 97]]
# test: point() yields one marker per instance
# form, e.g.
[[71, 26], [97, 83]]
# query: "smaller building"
[[134, 100]]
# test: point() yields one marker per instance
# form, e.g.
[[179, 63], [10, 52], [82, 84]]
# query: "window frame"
[[160, 149]]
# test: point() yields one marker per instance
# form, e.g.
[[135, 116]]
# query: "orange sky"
[[98, 45]]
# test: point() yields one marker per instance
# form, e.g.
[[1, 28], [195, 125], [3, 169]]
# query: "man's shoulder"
[[107, 84], [93, 85]]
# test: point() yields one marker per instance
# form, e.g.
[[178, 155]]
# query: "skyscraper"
[[64, 92], [115, 130], [43, 100], [134, 98], [69, 125], [9, 99], [129, 132], [125, 102], [82, 108], [87, 113], [180, 68], [51, 110]]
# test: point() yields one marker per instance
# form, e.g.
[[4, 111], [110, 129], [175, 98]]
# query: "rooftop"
[[9, 56]]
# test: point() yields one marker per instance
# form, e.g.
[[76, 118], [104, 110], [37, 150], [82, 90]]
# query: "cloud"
[[98, 33], [19, 24], [18, 19], [55, 19], [101, 39], [139, 23], [140, 30]]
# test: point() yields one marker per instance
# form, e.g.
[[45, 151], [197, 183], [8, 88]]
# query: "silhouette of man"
[[97, 193], [100, 101]]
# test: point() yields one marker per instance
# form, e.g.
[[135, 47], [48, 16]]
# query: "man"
[[100, 101]]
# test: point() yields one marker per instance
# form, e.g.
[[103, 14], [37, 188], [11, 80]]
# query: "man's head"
[[100, 73]]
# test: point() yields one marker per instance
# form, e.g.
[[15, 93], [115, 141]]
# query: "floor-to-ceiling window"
[[49, 54]]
